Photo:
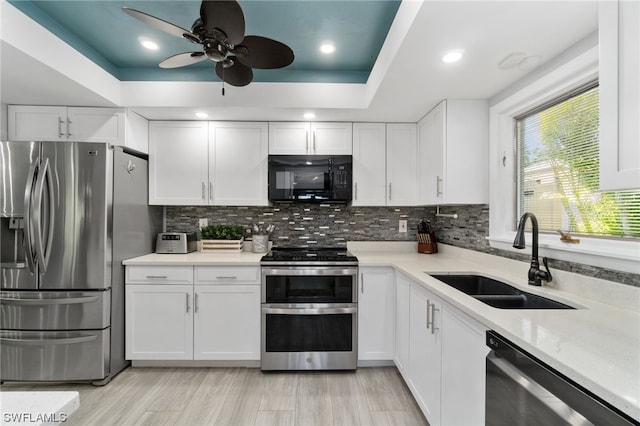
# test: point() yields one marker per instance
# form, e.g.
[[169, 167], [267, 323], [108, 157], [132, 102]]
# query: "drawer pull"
[[159, 277], [227, 278]]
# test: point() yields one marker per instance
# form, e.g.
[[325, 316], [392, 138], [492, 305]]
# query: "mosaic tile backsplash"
[[313, 225]]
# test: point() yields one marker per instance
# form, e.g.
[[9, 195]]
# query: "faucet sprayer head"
[[519, 242]]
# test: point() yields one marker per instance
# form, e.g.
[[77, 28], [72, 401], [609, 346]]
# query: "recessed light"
[[148, 44], [452, 56], [309, 115], [327, 48], [201, 114]]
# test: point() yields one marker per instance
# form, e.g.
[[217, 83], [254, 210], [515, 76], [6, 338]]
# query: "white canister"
[[260, 243]]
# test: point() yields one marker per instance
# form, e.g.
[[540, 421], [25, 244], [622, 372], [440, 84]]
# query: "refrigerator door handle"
[[44, 302], [44, 252], [48, 342], [28, 219]]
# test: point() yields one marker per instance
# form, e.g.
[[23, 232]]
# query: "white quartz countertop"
[[243, 258], [37, 408], [597, 345]]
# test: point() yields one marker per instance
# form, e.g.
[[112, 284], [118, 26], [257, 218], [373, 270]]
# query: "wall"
[[334, 225]]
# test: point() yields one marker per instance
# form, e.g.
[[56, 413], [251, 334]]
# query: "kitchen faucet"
[[535, 274]]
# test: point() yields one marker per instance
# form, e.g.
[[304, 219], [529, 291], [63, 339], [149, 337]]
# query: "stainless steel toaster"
[[176, 242]]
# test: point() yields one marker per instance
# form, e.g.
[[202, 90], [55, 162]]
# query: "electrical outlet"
[[402, 226], [203, 222]]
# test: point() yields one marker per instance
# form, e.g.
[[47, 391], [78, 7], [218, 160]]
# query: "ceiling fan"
[[220, 31]]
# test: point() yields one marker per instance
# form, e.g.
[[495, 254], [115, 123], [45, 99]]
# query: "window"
[[558, 170]]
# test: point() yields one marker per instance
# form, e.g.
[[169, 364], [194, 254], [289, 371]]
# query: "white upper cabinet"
[[453, 153], [303, 138], [74, 124], [202, 163], [369, 164], [238, 153], [402, 165], [178, 163], [619, 32], [137, 132]]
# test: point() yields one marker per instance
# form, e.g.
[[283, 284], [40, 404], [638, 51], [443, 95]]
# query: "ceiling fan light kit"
[[220, 31]]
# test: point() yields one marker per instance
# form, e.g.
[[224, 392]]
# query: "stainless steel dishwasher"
[[522, 390]]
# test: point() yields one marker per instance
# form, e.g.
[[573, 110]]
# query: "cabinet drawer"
[[159, 275], [226, 274]]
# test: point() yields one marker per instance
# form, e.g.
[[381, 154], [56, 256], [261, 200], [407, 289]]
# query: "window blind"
[[558, 154]]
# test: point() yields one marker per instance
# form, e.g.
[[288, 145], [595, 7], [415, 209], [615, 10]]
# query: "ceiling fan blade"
[[182, 59], [236, 75], [224, 15], [265, 53], [158, 23]]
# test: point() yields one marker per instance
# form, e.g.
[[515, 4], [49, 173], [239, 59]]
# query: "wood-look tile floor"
[[243, 396]]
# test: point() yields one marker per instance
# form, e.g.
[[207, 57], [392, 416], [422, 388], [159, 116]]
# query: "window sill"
[[617, 255]]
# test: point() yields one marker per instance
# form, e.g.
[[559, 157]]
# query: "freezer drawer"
[[54, 310], [54, 355]]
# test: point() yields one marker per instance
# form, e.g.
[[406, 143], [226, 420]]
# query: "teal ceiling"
[[102, 32]]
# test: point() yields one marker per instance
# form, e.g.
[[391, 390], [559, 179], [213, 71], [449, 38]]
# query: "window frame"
[[615, 254]]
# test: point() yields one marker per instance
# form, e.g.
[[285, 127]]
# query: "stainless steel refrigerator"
[[71, 212]]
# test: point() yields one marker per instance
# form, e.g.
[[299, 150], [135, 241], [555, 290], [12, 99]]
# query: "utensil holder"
[[427, 243], [260, 243]]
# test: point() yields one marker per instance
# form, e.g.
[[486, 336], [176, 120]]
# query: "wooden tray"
[[221, 246]]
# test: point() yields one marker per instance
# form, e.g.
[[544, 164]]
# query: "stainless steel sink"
[[496, 293]]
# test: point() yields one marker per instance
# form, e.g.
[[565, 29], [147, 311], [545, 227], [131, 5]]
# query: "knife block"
[[427, 243]]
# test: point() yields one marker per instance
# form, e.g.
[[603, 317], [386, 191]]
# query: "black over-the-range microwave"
[[310, 178]]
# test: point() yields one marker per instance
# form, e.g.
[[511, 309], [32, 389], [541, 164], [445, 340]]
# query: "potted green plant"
[[221, 238]]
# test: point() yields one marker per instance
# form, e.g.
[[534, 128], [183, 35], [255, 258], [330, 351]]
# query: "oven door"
[[309, 336], [309, 284]]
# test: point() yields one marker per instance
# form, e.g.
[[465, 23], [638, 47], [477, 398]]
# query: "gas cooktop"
[[313, 256]]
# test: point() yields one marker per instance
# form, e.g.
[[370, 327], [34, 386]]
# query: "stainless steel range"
[[309, 309]]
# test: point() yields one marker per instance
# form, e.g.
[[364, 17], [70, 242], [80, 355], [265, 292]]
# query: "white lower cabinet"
[[159, 322], [446, 356], [401, 356], [226, 322], [425, 356], [376, 314], [216, 316]]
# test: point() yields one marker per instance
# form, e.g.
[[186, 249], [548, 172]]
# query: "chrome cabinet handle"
[[195, 303], [163, 277], [433, 318], [362, 283], [69, 127], [187, 294], [314, 142], [60, 132], [307, 138], [438, 182], [356, 191], [226, 278], [389, 192], [204, 188], [428, 308], [210, 191]]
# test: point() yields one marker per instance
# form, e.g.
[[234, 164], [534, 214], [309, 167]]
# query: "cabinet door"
[[431, 133], [376, 314], [401, 357], [227, 322], [178, 163], [331, 139], [159, 322], [96, 125], [238, 154], [289, 138], [619, 33], [36, 123], [425, 352], [402, 176], [463, 369], [369, 164]]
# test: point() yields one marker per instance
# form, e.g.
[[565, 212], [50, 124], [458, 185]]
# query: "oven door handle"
[[309, 311]]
